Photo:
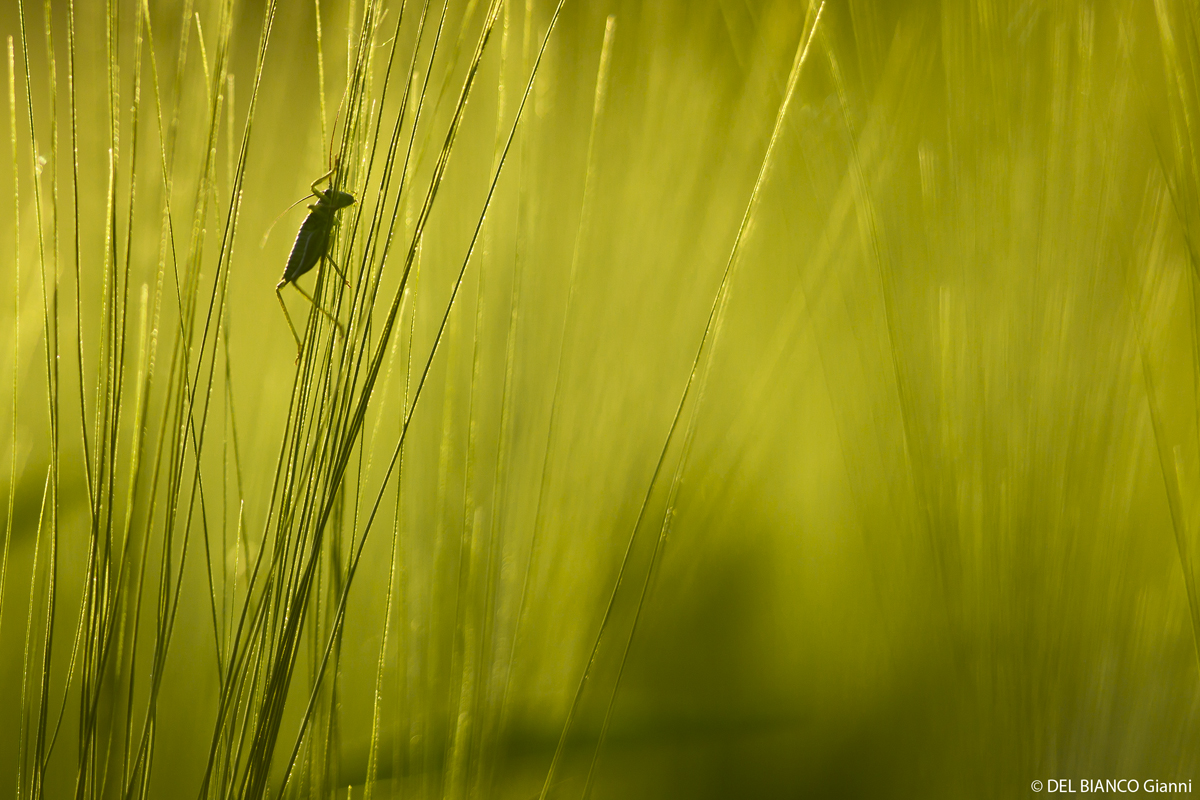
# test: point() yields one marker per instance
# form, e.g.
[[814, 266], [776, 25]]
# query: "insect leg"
[[337, 269], [317, 306], [329, 174], [288, 317], [313, 186]]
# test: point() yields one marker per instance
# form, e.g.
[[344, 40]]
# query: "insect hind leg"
[[337, 269], [288, 317], [318, 307]]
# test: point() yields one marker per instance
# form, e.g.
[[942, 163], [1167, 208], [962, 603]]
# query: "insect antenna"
[[275, 221], [333, 161]]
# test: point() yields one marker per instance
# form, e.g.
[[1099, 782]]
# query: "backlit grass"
[[732, 399]]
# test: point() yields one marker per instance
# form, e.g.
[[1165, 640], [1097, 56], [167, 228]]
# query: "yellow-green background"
[[933, 531]]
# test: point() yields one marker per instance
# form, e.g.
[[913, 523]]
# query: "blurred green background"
[[921, 525]]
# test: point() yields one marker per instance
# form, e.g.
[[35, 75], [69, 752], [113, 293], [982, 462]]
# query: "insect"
[[312, 245]]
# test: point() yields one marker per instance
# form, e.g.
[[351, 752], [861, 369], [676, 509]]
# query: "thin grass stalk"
[[393, 560], [16, 348], [72, 111], [23, 756], [402, 751], [49, 293]]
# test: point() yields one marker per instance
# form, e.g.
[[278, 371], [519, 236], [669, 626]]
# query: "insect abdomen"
[[311, 244]]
